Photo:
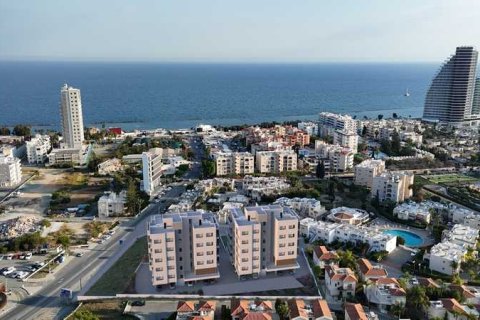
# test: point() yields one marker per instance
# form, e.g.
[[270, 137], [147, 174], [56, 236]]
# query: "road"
[[81, 273]]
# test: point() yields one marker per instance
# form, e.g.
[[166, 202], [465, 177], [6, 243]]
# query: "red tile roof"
[[355, 311], [321, 309], [185, 306]]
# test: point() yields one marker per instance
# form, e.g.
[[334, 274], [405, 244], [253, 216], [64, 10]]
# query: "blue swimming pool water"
[[411, 239]]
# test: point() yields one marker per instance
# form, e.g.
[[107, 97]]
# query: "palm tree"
[[398, 309], [454, 265], [417, 297]]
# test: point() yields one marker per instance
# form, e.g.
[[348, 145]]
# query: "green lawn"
[[117, 279], [451, 178]]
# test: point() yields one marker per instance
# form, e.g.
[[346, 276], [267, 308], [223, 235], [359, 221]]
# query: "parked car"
[[9, 256], [8, 270], [79, 254], [22, 274], [138, 303]]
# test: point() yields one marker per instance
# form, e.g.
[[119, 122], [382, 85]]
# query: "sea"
[[183, 95]]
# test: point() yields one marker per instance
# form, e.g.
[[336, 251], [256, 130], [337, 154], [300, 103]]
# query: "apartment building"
[[263, 239], [309, 127], [306, 207], [66, 157], [443, 254], [38, 148], [112, 204], [10, 171], [152, 169], [233, 163], [340, 282], [348, 215], [385, 292], [275, 161], [296, 137], [462, 235], [347, 139], [72, 117], [330, 122], [393, 186], [367, 170], [182, 248], [329, 232], [256, 187], [335, 157], [416, 211]]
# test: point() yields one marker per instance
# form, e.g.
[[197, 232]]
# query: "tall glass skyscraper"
[[451, 94], [476, 99]]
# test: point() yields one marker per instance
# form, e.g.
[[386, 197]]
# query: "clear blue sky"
[[237, 30]]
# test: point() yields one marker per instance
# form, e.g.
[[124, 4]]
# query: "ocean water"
[[149, 95]]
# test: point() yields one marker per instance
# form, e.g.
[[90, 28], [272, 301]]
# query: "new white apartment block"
[[335, 157], [72, 117], [10, 171], [182, 248], [443, 254], [112, 204], [234, 163], [263, 239], [256, 187], [367, 170], [275, 161], [340, 282], [38, 148], [308, 207], [415, 211], [462, 235], [393, 186], [330, 122], [329, 232], [465, 216], [309, 127], [347, 139], [152, 169]]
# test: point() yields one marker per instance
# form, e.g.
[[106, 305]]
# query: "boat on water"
[[407, 94]]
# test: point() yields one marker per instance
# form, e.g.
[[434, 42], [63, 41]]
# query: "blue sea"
[[154, 95]]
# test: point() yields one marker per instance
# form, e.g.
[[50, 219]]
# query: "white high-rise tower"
[[72, 118]]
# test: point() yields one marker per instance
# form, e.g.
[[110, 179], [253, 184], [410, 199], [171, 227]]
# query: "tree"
[[454, 265], [380, 116], [64, 241], [282, 309], [4, 131], [398, 309], [347, 259], [394, 115], [132, 197], [21, 130], [320, 171], [417, 299], [364, 131], [395, 145]]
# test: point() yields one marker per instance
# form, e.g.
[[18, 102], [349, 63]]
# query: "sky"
[[297, 31]]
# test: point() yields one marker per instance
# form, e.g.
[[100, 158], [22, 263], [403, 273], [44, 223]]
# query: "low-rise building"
[[198, 310], [263, 239], [461, 235], [308, 207], [112, 204], [451, 309], [445, 257], [393, 186], [369, 272], [309, 127], [242, 309], [348, 215], [323, 257], [182, 248], [109, 166], [10, 171], [38, 148], [309, 310], [69, 157], [470, 295], [367, 170], [355, 311], [414, 211], [340, 282], [256, 187], [385, 292], [347, 139], [329, 232]]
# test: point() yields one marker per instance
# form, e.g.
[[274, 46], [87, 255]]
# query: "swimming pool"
[[411, 239]]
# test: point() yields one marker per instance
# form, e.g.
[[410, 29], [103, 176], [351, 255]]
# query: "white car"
[[22, 274], [8, 271]]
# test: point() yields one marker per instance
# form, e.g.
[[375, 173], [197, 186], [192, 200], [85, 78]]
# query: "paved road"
[[80, 274]]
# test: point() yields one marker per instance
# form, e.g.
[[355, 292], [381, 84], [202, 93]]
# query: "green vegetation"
[[4, 131], [181, 170], [107, 310], [394, 148], [118, 278], [281, 307], [451, 179], [22, 130], [59, 197], [208, 168], [96, 228]]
